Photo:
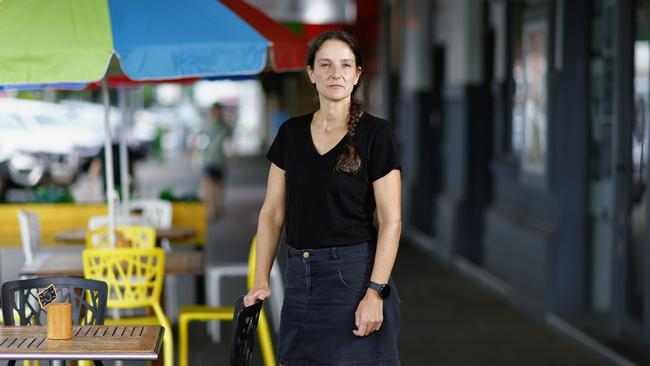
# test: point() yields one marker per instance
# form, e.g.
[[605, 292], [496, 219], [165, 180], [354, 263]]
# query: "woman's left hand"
[[369, 315]]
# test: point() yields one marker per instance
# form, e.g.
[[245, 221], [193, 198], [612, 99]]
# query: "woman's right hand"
[[257, 294]]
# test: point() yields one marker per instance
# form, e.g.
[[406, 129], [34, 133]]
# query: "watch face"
[[385, 291]]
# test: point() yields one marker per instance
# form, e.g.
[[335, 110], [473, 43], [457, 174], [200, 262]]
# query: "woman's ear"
[[309, 74], [357, 76]]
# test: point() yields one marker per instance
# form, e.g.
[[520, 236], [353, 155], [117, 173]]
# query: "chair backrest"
[[157, 213], [88, 299], [243, 332], [143, 237], [134, 276], [30, 234], [96, 222]]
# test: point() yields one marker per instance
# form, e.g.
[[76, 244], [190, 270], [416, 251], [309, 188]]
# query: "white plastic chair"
[[213, 275], [158, 213], [30, 234]]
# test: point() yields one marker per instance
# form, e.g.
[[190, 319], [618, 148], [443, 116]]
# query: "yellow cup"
[[59, 321]]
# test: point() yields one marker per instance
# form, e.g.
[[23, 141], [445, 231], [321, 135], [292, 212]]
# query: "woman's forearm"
[[387, 245], [269, 229]]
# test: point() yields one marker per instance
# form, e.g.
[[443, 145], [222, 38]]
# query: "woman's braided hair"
[[349, 161]]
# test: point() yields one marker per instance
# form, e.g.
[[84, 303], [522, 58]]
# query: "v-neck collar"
[[311, 138]]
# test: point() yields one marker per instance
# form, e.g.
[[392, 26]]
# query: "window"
[[526, 130]]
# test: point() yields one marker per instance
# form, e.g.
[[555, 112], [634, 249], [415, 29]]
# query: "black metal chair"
[[88, 299], [243, 332]]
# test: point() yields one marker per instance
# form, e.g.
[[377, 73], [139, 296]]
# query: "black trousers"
[[323, 289]]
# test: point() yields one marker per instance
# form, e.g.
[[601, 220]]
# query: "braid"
[[350, 161]]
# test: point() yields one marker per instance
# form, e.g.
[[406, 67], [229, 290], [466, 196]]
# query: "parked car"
[[35, 153], [141, 132], [90, 117], [5, 155], [61, 123]]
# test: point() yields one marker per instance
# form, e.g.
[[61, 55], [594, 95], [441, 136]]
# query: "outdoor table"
[[71, 264], [78, 235], [88, 342]]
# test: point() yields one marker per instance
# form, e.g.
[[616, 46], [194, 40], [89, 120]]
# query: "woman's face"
[[335, 71]]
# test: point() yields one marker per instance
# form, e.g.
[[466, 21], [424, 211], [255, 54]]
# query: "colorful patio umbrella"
[[73, 41]]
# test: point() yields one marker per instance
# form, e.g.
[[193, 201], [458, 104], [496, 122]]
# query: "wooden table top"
[[89, 342], [78, 235], [71, 264]]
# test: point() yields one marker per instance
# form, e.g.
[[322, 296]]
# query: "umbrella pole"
[[108, 168], [124, 157]]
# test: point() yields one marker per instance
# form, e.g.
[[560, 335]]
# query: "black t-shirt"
[[326, 208]]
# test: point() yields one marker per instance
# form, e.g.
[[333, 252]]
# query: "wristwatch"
[[382, 289]]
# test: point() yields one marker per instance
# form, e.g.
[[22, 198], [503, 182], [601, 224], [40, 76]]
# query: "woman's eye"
[[324, 65]]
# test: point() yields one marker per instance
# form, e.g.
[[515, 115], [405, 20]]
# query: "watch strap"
[[377, 287]]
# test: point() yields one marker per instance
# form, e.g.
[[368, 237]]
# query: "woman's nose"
[[337, 71]]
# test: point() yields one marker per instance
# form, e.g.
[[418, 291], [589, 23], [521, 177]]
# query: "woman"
[[214, 162], [330, 170]]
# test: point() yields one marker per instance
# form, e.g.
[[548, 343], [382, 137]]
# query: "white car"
[[5, 155], [35, 153], [140, 134], [61, 122]]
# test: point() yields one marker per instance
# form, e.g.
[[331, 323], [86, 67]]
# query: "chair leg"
[[183, 324], [264, 335], [171, 299], [168, 337], [168, 345], [213, 277], [213, 293]]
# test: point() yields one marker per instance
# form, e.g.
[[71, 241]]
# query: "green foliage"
[[52, 194], [169, 195]]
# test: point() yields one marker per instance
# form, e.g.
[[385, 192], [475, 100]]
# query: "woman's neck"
[[333, 114]]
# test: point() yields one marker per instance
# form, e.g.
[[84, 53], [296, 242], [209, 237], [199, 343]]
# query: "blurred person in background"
[[214, 160], [89, 187], [330, 171]]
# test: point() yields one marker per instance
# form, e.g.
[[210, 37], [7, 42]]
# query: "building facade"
[[524, 128]]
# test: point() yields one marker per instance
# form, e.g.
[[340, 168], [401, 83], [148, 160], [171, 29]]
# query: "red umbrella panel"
[[288, 50]]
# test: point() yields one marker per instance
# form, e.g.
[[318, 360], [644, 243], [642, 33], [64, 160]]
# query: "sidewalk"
[[447, 318]]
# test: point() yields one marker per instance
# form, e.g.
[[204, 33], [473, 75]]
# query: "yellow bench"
[[56, 217]]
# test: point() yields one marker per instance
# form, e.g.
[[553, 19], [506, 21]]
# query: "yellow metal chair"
[[190, 313], [143, 237], [135, 279]]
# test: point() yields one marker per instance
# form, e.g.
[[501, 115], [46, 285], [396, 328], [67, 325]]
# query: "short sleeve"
[[276, 151], [384, 153]]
